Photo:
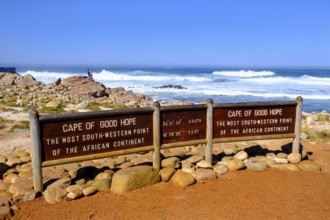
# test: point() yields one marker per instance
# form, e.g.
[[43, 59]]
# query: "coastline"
[[15, 146]]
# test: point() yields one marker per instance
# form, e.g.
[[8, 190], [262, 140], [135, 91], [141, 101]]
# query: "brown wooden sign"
[[244, 121], [184, 125], [71, 138]]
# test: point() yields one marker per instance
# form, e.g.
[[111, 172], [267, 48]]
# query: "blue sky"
[[236, 33]]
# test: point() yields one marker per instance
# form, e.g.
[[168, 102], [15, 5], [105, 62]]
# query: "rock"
[[73, 187], [22, 189], [61, 183], [126, 165], [4, 186], [183, 179], [284, 167], [282, 155], [188, 168], [27, 173], [54, 195], [88, 191], [25, 159], [5, 213], [83, 105], [308, 165], [241, 155], [226, 159], [166, 173], [6, 201], [126, 180], [171, 162], [270, 155], [235, 164], [54, 172], [20, 153], [53, 104], [9, 177], [195, 159], [204, 174], [13, 161], [229, 149], [323, 116], [204, 164], [281, 160], [220, 169], [258, 166], [294, 158], [102, 184], [75, 194]]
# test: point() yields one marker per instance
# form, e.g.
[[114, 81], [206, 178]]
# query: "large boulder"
[[131, 178], [82, 86]]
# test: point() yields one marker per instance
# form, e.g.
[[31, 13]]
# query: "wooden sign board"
[[71, 138], [183, 125], [241, 121]]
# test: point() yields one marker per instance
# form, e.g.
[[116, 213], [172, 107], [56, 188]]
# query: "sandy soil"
[[243, 194]]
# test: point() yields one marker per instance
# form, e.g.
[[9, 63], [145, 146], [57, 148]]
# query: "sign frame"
[[157, 128]]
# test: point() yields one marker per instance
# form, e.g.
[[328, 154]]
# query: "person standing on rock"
[[90, 75]]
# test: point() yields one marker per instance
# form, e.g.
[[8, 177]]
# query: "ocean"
[[196, 85]]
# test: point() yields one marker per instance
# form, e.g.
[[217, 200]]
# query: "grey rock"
[[54, 195], [220, 169], [258, 166], [22, 189], [204, 174]]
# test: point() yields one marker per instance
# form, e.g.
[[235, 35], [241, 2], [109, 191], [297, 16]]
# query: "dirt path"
[[243, 194]]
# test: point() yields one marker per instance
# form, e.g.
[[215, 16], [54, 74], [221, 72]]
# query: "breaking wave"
[[243, 73]]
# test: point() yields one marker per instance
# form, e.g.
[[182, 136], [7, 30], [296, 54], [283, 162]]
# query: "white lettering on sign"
[[72, 127], [108, 124], [236, 113], [127, 121]]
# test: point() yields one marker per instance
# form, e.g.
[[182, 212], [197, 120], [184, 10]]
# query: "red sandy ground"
[[243, 194]]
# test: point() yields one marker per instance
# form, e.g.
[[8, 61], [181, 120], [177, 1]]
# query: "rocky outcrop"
[[27, 91]]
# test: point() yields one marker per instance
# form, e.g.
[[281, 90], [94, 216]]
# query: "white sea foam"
[[243, 73], [303, 80], [46, 76], [107, 75]]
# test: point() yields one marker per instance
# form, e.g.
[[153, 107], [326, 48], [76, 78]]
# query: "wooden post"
[[156, 135], [36, 151], [209, 132], [296, 140]]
